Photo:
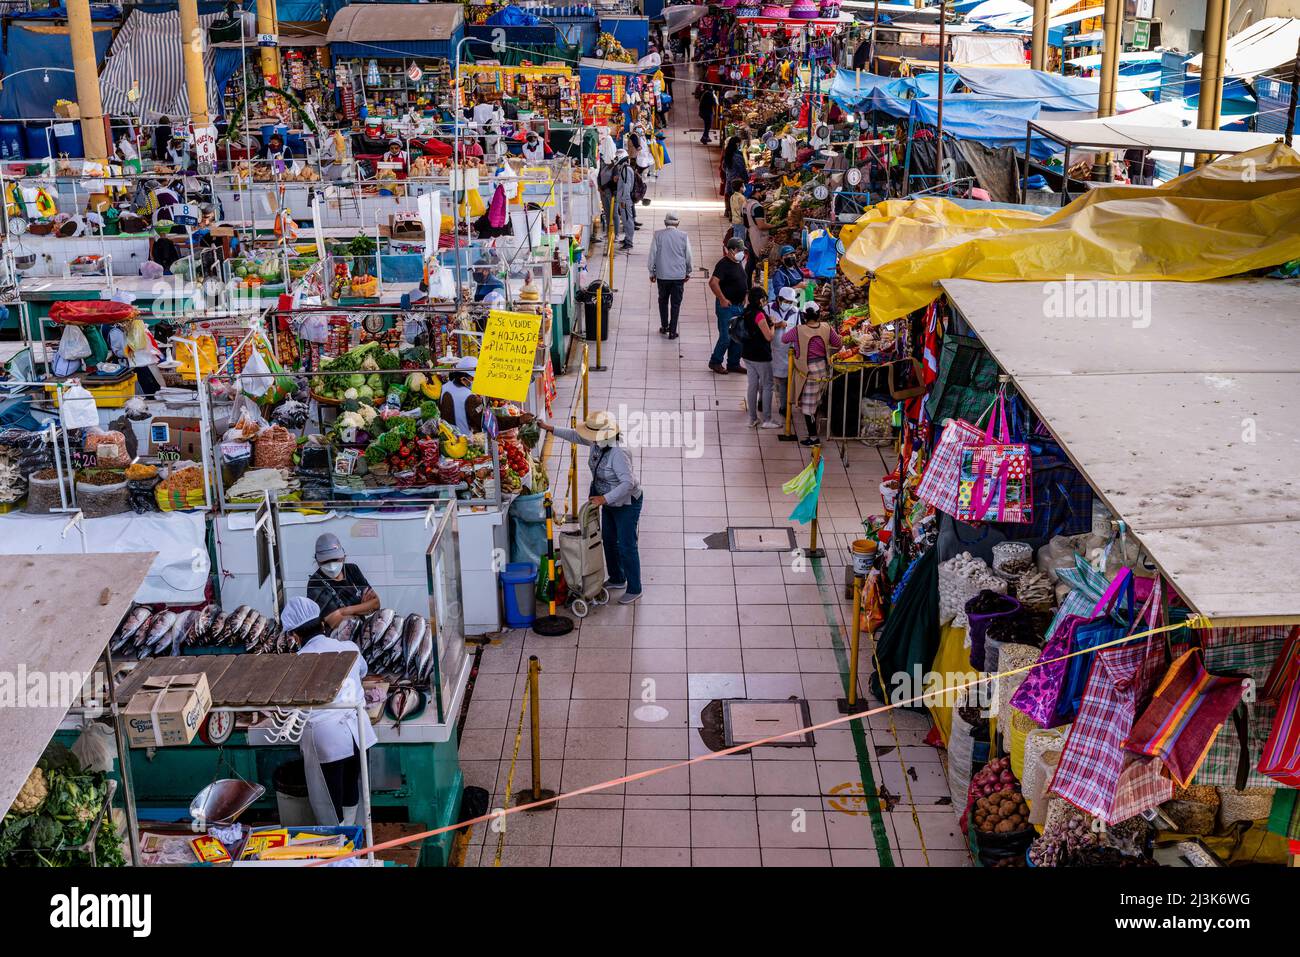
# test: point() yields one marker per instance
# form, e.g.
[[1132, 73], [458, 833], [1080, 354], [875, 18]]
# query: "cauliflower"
[[370, 364], [352, 420], [367, 413], [32, 794], [350, 394]]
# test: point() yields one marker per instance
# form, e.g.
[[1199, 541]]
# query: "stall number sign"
[[1141, 34], [505, 359], [185, 214], [205, 145], [415, 74], [267, 40]]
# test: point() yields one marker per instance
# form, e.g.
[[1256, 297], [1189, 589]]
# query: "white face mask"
[[738, 257], [331, 569]]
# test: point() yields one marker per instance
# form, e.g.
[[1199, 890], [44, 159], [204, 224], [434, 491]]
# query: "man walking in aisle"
[[730, 286], [624, 204], [670, 268], [708, 107]]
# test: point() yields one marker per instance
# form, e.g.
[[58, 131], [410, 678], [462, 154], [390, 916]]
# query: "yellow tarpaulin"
[[1237, 214]]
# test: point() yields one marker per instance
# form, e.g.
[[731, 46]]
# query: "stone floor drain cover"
[[761, 539], [753, 720]]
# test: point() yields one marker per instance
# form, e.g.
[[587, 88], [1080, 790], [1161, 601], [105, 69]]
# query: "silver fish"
[[203, 622], [392, 637], [412, 639], [159, 625], [176, 635], [379, 623], [133, 622], [213, 635], [344, 630], [424, 662], [251, 623], [235, 622], [253, 636]]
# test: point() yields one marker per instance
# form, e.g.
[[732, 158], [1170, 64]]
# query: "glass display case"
[[442, 565]]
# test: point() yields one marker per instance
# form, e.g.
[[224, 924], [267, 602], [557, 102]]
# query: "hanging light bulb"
[[46, 76]]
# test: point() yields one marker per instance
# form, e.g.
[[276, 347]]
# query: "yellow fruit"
[[432, 389], [455, 448]]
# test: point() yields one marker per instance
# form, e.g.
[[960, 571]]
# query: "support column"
[[1038, 49], [193, 43], [1112, 20], [83, 63], [267, 22], [1210, 103]]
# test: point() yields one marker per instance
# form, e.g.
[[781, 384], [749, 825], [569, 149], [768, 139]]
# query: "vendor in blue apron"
[[338, 588], [461, 407], [333, 740]]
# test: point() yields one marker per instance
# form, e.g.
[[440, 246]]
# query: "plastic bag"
[[78, 409], [256, 379], [95, 748], [74, 344], [316, 329]]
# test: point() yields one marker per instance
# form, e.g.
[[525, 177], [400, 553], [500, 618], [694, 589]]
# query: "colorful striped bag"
[[1185, 715], [1281, 757]]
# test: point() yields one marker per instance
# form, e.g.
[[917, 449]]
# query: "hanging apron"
[[318, 792]]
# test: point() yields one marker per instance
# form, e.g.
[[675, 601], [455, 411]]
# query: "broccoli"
[[429, 409], [388, 361]]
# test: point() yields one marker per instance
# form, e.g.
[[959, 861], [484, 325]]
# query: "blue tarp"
[[992, 121], [512, 16], [1238, 98], [1057, 93], [29, 96], [98, 11], [225, 64], [857, 91]]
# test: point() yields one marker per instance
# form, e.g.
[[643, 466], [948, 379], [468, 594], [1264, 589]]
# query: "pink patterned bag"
[[938, 486], [994, 483]]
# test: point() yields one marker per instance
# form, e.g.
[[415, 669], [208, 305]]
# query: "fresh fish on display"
[[213, 636], [412, 640], [236, 622], [380, 622], [403, 701], [424, 662], [180, 630], [391, 639], [251, 621], [255, 632], [345, 630], [133, 622], [203, 622], [159, 625]]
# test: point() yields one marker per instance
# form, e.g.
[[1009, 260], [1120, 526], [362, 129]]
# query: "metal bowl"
[[221, 802]]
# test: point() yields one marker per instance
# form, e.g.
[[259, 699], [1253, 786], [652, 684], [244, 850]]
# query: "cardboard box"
[[67, 110], [178, 432], [167, 710]]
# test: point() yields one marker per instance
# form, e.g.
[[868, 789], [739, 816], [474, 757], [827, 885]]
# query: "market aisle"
[[712, 624]]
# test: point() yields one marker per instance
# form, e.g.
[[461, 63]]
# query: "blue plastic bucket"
[[35, 143], [11, 141], [69, 141], [517, 582]]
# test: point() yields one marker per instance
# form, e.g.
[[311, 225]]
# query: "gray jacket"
[[624, 179], [670, 254], [611, 470]]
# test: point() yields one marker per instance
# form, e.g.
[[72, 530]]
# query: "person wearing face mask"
[[534, 151], [615, 489], [338, 586], [786, 274], [729, 285], [333, 745], [785, 315]]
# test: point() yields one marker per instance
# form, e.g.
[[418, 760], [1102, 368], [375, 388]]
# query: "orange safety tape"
[[1196, 621]]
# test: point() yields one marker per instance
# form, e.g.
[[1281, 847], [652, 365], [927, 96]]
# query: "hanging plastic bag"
[[73, 344], [78, 409], [442, 284], [256, 379]]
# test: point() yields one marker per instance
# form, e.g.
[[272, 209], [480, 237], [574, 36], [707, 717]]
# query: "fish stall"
[[417, 670]]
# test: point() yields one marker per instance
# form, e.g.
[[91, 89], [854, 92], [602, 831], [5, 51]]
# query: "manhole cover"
[[761, 539], [750, 720]]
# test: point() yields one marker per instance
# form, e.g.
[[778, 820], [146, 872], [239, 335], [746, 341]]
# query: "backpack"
[[638, 187], [738, 329], [605, 179]]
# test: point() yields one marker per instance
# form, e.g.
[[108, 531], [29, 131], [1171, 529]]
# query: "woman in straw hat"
[[616, 490]]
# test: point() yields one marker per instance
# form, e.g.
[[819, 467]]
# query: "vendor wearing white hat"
[[338, 588], [615, 489], [784, 316], [463, 409], [334, 740]]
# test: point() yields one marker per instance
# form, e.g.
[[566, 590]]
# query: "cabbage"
[[357, 380]]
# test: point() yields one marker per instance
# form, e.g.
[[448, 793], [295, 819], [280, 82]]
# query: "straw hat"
[[599, 427]]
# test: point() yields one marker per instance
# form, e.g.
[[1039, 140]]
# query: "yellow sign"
[[506, 357]]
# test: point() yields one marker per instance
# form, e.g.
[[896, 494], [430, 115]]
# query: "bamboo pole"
[[89, 104]]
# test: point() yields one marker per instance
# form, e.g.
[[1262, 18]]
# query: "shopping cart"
[[582, 556]]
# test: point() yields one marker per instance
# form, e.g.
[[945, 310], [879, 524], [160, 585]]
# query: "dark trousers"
[[670, 302], [618, 528], [343, 778]]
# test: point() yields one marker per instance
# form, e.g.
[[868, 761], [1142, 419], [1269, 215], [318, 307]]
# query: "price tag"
[[168, 453]]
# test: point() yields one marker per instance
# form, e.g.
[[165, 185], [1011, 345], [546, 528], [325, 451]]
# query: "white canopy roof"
[[1110, 133], [1182, 408], [57, 612], [1259, 48]]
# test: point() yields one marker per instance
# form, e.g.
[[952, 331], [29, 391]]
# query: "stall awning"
[[56, 614], [1261, 47], [1058, 93], [1107, 134], [1180, 405], [396, 30]]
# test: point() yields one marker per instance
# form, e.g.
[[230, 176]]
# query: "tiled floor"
[[712, 624]]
